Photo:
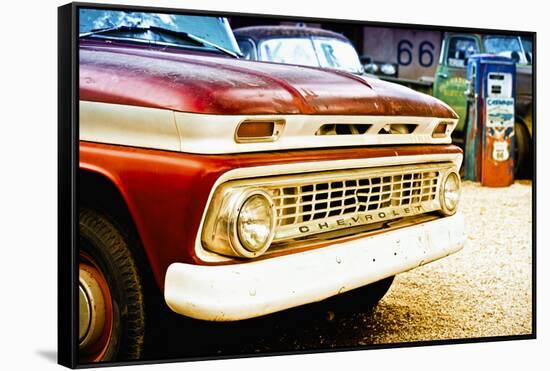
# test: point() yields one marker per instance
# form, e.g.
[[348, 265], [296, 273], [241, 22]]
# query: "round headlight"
[[371, 68], [255, 224], [388, 69], [450, 193]]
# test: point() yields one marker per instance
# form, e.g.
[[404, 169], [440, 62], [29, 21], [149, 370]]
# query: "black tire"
[[105, 247], [522, 152], [361, 299]]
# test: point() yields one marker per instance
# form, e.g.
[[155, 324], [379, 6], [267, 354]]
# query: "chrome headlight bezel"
[[236, 244], [221, 233], [446, 209]]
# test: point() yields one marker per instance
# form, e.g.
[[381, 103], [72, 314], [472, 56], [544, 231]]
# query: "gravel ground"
[[483, 290]]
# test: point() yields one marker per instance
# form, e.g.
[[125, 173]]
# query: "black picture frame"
[[68, 157]]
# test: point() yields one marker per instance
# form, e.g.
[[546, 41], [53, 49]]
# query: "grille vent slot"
[[343, 129], [397, 129]]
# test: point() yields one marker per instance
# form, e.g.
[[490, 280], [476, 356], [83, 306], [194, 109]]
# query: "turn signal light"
[[254, 129], [258, 131]]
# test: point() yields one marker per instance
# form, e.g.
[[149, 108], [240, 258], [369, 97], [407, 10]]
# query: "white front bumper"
[[240, 291]]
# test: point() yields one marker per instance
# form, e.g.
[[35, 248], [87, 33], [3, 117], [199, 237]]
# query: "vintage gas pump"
[[489, 141]]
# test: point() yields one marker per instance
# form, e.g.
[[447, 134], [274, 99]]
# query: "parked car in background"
[[450, 82], [227, 189], [305, 46]]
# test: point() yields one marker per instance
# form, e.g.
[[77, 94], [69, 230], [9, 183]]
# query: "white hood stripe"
[[215, 134]]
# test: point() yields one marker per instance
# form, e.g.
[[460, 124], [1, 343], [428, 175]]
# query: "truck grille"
[[326, 205], [341, 199], [349, 196]]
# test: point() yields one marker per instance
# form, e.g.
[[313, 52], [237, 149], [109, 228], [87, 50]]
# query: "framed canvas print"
[[237, 184]]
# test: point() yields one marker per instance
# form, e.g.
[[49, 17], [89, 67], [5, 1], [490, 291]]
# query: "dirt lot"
[[484, 290]]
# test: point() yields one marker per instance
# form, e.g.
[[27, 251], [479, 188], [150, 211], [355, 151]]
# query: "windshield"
[[507, 46], [460, 50], [314, 52], [215, 30], [337, 54]]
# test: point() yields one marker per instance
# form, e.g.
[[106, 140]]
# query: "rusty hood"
[[205, 83]]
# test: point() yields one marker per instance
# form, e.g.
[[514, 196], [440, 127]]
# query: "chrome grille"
[[331, 204], [332, 199], [320, 200]]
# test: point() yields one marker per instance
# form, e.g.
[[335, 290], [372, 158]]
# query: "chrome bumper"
[[240, 291]]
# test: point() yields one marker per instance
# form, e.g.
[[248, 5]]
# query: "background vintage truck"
[[435, 63]]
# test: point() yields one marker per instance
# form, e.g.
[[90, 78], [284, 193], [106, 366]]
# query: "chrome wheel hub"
[[92, 307]]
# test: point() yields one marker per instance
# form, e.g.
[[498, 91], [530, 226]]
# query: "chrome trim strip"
[[215, 134]]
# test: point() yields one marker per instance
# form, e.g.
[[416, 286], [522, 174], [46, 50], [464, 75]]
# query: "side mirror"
[[368, 65], [515, 57]]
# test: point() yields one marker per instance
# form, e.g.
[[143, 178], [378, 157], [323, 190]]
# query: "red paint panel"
[[166, 192], [205, 83]]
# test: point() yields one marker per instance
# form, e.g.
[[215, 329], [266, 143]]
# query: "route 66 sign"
[[500, 151]]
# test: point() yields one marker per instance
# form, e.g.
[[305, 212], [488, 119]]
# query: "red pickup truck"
[[235, 188]]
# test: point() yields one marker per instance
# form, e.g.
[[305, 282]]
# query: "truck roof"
[[265, 32]]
